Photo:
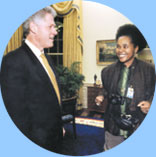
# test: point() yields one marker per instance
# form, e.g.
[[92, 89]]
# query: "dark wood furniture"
[[93, 91]]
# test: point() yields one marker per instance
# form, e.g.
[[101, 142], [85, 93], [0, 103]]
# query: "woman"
[[128, 85]]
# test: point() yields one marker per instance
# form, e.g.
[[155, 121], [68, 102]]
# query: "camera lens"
[[115, 99]]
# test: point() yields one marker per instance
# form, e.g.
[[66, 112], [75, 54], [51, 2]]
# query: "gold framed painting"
[[105, 52]]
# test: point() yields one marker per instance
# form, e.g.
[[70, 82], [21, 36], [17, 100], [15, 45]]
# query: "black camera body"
[[123, 121], [126, 122], [115, 99]]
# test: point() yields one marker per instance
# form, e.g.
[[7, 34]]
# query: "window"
[[56, 52]]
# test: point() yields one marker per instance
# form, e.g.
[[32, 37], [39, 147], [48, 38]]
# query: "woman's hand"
[[144, 106], [99, 99]]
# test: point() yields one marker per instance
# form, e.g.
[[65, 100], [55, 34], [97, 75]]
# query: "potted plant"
[[70, 80]]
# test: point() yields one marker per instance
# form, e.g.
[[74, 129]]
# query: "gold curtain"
[[72, 31], [63, 7], [15, 41]]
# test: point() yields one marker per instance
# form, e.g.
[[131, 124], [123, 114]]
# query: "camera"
[[115, 99], [124, 121], [127, 122]]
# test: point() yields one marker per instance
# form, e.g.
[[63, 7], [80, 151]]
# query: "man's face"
[[46, 32], [125, 50]]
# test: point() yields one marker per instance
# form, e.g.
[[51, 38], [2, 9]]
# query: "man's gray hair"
[[36, 17]]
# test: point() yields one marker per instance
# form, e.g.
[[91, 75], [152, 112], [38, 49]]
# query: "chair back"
[[68, 112]]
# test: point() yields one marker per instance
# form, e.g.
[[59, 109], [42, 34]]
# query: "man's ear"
[[33, 27]]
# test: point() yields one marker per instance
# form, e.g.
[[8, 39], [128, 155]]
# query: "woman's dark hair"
[[133, 32]]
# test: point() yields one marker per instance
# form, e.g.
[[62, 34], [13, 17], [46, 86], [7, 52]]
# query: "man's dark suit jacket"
[[30, 98]]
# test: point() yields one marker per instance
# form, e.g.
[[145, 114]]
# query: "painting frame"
[[105, 52]]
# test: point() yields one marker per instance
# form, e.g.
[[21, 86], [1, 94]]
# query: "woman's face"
[[125, 50]]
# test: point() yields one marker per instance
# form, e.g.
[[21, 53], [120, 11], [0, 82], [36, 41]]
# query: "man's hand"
[[99, 99], [144, 106]]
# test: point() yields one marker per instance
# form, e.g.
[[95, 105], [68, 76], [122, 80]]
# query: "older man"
[[29, 83]]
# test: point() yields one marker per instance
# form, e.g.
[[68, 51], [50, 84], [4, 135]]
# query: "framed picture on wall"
[[105, 52]]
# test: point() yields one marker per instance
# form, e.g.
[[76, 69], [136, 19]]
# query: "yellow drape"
[[72, 33], [63, 7], [72, 30], [15, 41]]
